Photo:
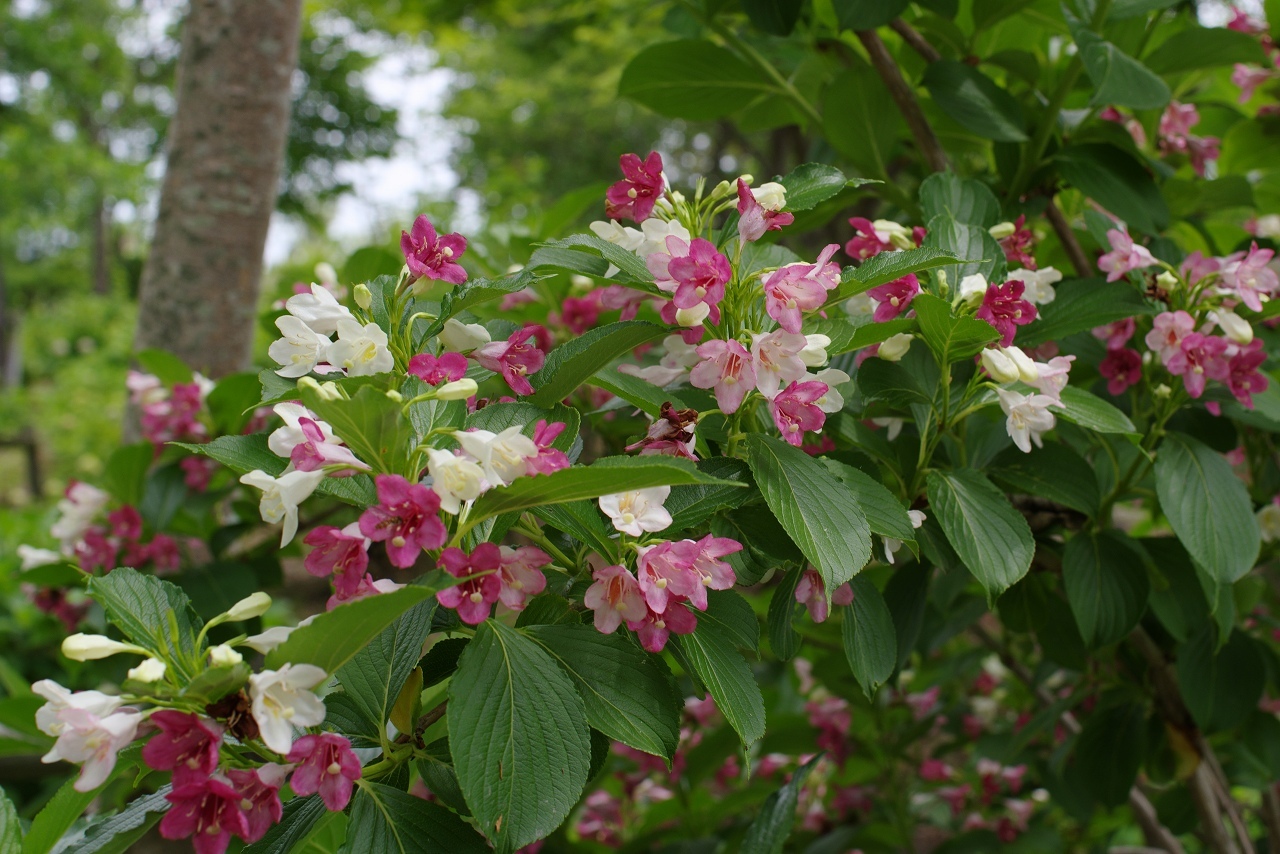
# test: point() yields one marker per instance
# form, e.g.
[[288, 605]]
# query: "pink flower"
[[342, 553], [325, 764], [207, 809], [621, 298], [811, 591], [1052, 376], [956, 797], [1199, 357], [198, 471], [406, 517], [548, 459], [1132, 125], [795, 410], [615, 595], [1176, 122], [831, 717], [186, 744], [580, 313], [1123, 368], [473, 599], [654, 629], [1167, 332], [666, 570], [775, 357], [1125, 256], [935, 771], [1243, 377], [753, 219], [514, 358], [125, 523], [893, 298], [431, 256], [1249, 78], [259, 791], [353, 589], [1016, 245], [1249, 276], [1196, 266], [727, 368], [1115, 335], [634, 196], [797, 288], [521, 575], [1005, 309], [866, 243], [693, 272], [715, 574], [315, 452], [434, 370]]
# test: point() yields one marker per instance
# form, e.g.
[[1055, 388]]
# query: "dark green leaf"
[[783, 639], [887, 267], [870, 640], [975, 101], [243, 454], [388, 821], [1109, 752], [1114, 179], [990, 536], [1220, 689], [1106, 585], [770, 830], [966, 200], [889, 381], [867, 14], [712, 658], [126, 472], [574, 362], [152, 613], [118, 832], [1205, 47], [885, 514], [1054, 472], [860, 119], [1082, 304], [691, 79], [374, 676], [690, 506], [582, 521], [1119, 79], [1092, 412]]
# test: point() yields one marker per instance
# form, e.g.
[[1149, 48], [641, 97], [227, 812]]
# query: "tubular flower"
[[514, 358], [1122, 368], [775, 357], [1005, 309], [754, 219], [324, 764], [282, 699], [636, 512], [1199, 358], [547, 459], [693, 272], [1124, 257], [641, 186], [431, 256], [433, 370], [795, 410], [614, 596], [894, 298], [1243, 377], [186, 744], [1167, 332], [654, 628], [206, 809], [521, 575], [341, 553], [405, 518], [473, 599], [1028, 417], [727, 368], [798, 288]]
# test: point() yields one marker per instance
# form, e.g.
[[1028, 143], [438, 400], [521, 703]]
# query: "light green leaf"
[[966, 200], [988, 534], [810, 184], [118, 832], [67, 805], [371, 425], [1106, 585], [1118, 78], [574, 362], [631, 266], [1092, 412], [712, 657], [152, 613], [643, 395], [385, 820], [870, 641], [951, 338], [126, 472], [374, 677], [975, 101], [165, 366], [691, 79], [771, 828]]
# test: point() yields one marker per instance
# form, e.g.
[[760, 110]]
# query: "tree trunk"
[[101, 256], [225, 150]]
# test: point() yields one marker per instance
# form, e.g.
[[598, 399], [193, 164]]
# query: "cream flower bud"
[[580, 283], [1002, 230], [771, 196], [249, 607], [363, 296], [689, 317], [224, 656], [1167, 280], [326, 391], [1162, 390], [1027, 370], [463, 337], [1233, 325], [82, 647], [999, 365], [394, 396], [151, 670], [895, 347], [814, 354], [325, 274], [457, 390]]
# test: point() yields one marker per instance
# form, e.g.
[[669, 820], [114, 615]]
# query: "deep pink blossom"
[[665, 571], [340, 552], [1176, 136], [1017, 246], [434, 370], [654, 629], [865, 243], [893, 298], [692, 272], [186, 744], [580, 313], [1125, 256], [1005, 309], [406, 518], [1243, 377], [1199, 357], [432, 256], [315, 452], [1167, 332], [521, 575], [795, 410], [95, 550], [198, 471], [798, 288], [935, 771], [726, 366], [634, 196], [126, 522], [1247, 274], [614, 596], [514, 358], [548, 459], [206, 809], [1123, 368], [473, 599], [259, 798], [326, 764], [1115, 335], [753, 219]]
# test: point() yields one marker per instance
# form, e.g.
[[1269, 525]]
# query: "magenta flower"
[[514, 358], [1005, 309], [1243, 377], [865, 243], [342, 553], [693, 272], [433, 257], [726, 367], [753, 219], [259, 798], [326, 764], [654, 628], [1249, 276], [163, 553], [1115, 335], [548, 459], [634, 196], [315, 452], [1167, 332], [893, 298], [186, 744], [521, 575], [1199, 357], [1017, 246], [1123, 368], [580, 313], [473, 599], [207, 809], [795, 410], [811, 591], [1125, 256], [96, 551], [614, 596], [797, 288], [434, 370], [126, 523], [665, 571], [406, 518]]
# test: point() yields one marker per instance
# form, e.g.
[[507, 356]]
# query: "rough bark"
[[225, 153]]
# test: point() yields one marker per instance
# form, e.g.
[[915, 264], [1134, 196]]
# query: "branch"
[[905, 98], [917, 42], [1067, 236]]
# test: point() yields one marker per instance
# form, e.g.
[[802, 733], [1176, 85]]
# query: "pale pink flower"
[[1199, 357], [798, 288], [776, 359], [1028, 417], [1167, 332], [1248, 275], [1052, 376], [665, 571], [92, 741], [1115, 335], [521, 575], [1249, 78], [614, 596], [1125, 256], [753, 219], [726, 367]]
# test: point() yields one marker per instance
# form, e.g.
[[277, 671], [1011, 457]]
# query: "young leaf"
[[870, 640], [518, 735], [574, 362], [833, 534], [371, 425], [951, 338], [991, 537], [771, 828], [374, 677], [810, 184], [1106, 585], [385, 820], [152, 613]]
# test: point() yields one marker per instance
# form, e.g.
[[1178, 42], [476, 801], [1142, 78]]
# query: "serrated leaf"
[[1117, 181], [1118, 78], [951, 338], [574, 362], [975, 101], [243, 454], [887, 267], [1092, 412], [641, 394], [152, 613], [385, 820], [374, 676], [966, 200], [117, 832], [10, 827], [991, 537], [371, 425], [1054, 472], [711, 656], [690, 506], [811, 184], [870, 640], [1080, 305], [1106, 585], [885, 514]]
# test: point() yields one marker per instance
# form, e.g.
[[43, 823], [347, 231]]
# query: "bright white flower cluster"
[[306, 344]]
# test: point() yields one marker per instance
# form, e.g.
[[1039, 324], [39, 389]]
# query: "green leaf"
[[628, 694], [388, 821], [518, 736], [243, 454], [631, 266], [1119, 79], [811, 184], [847, 334], [581, 520], [374, 677], [860, 119], [867, 14], [975, 101], [690, 506], [1116, 180], [574, 362], [476, 291], [497, 417], [966, 240], [1082, 304], [885, 514], [691, 79], [731, 616], [345, 716], [770, 830], [951, 338], [887, 267], [603, 477], [152, 613], [834, 535], [870, 641], [119, 831], [966, 200], [126, 472], [165, 366], [10, 827], [991, 537], [1106, 585], [783, 639], [214, 683], [1205, 47], [1092, 412], [1207, 506], [641, 394], [1220, 689], [1109, 751], [1054, 472], [370, 423], [335, 637], [67, 805], [711, 656], [370, 262], [889, 381], [275, 388]]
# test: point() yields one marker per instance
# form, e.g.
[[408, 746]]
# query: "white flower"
[[60, 699], [892, 545], [679, 352], [860, 305], [463, 337], [282, 495], [362, 350], [998, 365], [678, 358], [659, 375], [972, 286], [895, 347], [151, 670], [628, 238], [1029, 416], [655, 232], [253, 605], [284, 439], [893, 426], [1039, 284], [92, 742], [455, 479], [771, 196], [77, 512], [814, 354], [917, 517], [301, 348], [1269, 522], [318, 309], [832, 401], [1233, 325], [635, 512], [1028, 370], [1267, 226], [224, 656], [282, 699], [32, 557], [82, 647], [503, 456], [325, 274], [691, 317], [273, 637]]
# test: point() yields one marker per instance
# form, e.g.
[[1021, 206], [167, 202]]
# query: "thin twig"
[[912, 37], [905, 98], [1067, 237]]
